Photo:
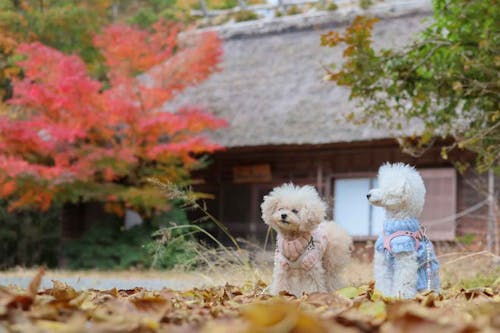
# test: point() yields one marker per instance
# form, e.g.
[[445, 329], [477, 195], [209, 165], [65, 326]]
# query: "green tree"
[[70, 25], [447, 78], [144, 13]]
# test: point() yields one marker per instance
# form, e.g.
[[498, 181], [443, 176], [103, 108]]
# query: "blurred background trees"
[[70, 138], [83, 117], [69, 26], [447, 79]]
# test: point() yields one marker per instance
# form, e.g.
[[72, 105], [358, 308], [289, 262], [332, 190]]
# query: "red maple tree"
[[71, 138]]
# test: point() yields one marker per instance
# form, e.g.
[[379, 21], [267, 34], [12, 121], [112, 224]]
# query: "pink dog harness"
[[406, 235], [293, 249], [416, 235], [305, 250]]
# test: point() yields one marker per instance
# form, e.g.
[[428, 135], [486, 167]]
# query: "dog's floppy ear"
[[268, 207], [314, 212]]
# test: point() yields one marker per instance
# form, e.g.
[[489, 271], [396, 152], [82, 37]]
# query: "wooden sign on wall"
[[259, 173]]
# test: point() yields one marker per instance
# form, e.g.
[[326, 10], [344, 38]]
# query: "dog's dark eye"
[[295, 211]]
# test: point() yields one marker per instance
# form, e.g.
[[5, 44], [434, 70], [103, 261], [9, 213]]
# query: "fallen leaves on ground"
[[61, 309]]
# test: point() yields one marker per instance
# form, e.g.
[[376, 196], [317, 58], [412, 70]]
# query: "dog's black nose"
[[368, 196], [283, 216]]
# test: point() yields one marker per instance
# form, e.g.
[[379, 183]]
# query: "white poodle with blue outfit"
[[404, 261]]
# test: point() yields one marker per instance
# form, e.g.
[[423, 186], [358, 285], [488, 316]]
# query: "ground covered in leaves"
[[244, 309]]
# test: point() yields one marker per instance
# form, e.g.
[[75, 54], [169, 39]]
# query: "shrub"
[[332, 6], [107, 245], [222, 4], [245, 15], [216, 4], [293, 10], [173, 247], [365, 4], [29, 238]]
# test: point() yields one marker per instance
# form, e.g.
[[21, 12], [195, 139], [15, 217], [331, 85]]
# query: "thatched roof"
[[271, 89]]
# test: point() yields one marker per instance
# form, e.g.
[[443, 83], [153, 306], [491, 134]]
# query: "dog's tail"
[[337, 254]]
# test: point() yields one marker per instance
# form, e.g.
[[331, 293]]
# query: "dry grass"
[[215, 267], [221, 266], [469, 270], [458, 269]]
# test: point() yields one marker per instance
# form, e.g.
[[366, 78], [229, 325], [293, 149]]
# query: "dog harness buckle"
[[311, 245], [416, 235]]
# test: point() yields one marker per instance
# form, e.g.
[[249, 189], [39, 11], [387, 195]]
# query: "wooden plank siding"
[[320, 165], [440, 202]]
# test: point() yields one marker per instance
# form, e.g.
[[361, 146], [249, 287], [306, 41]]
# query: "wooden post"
[[242, 4], [114, 11], [204, 9], [254, 208], [492, 219], [319, 178], [281, 6], [328, 193]]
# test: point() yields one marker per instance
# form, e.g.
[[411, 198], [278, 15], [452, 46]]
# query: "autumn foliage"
[[445, 79], [244, 309], [72, 138]]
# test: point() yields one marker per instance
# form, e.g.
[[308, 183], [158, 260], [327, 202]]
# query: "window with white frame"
[[352, 210]]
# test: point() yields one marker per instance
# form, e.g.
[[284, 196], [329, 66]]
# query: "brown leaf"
[[10, 299], [245, 309], [226, 326], [279, 315], [334, 302], [429, 299], [75, 324], [35, 283], [152, 302], [366, 316], [87, 300], [117, 315], [410, 317], [61, 291]]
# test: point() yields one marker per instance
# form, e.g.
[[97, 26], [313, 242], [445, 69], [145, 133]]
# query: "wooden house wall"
[[238, 205]]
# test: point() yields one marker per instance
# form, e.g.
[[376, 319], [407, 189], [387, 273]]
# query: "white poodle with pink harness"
[[311, 252]]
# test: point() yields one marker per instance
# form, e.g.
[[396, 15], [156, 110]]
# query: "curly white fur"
[[404, 281], [298, 213], [402, 193]]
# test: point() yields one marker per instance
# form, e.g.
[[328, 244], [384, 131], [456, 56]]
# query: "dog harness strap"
[[292, 250], [416, 235]]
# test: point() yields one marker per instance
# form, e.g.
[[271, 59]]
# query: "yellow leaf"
[[85, 301], [276, 315], [376, 309], [457, 86], [495, 116], [62, 291], [307, 323], [349, 292], [444, 154], [483, 44], [150, 323]]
